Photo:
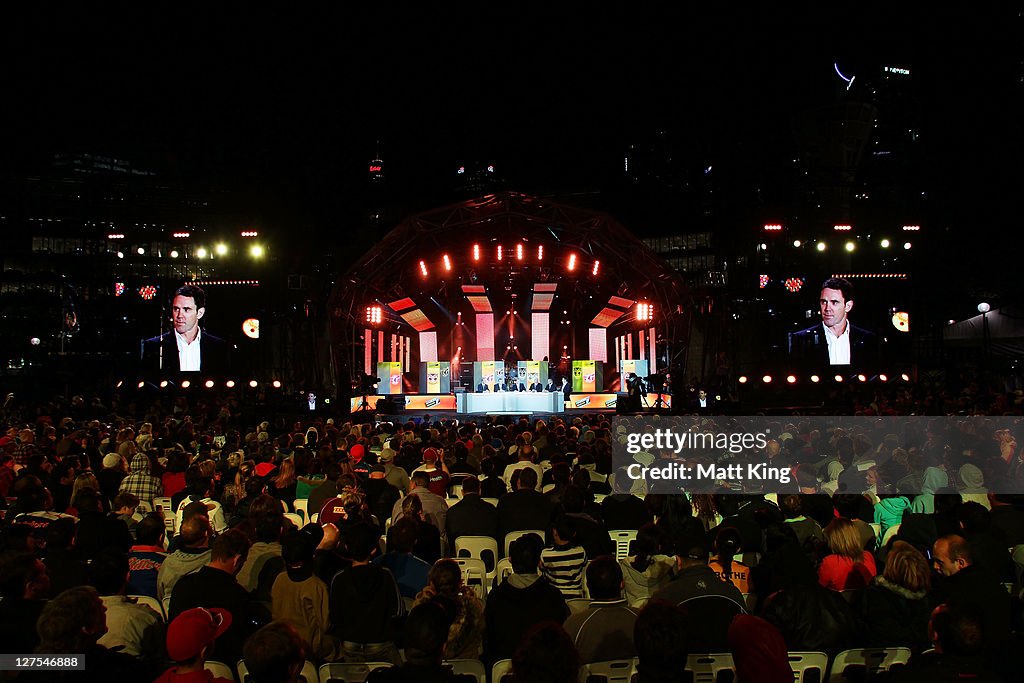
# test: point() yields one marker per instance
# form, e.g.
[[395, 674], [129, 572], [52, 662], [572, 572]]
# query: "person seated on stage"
[[550, 386], [536, 386], [481, 388]]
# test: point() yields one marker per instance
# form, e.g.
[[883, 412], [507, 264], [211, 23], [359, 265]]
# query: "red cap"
[[429, 455], [194, 629], [356, 453], [264, 468]]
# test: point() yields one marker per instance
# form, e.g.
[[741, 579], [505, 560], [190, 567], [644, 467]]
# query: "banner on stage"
[[584, 376], [390, 376], [428, 402]]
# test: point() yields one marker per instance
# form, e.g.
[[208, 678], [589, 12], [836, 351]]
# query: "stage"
[[510, 403]]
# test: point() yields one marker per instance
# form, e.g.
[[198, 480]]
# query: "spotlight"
[[905, 377], [230, 384], [773, 227], [209, 384], [884, 378], [839, 378], [476, 252], [120, 254], [221, 249], [185, 384], [423, 268], [519, 252], [572, 261], [886, 244], [447, 262], [120, 382], [843, 228], [815, 379], [540, 252], [862, 378], [35, 341], [597, 265], [201, 252], [791, 379], [767, 379], [797, 243], [821, 246], [141, 384], [850, 246], [253, 383], [277, 384], [174, 253], [501, 252], [140, 251], [256, 251], [742, 379], [163, 384], [907, 245], [984, 307]]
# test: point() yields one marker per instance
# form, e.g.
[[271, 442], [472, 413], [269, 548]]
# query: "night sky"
[[287, 107]]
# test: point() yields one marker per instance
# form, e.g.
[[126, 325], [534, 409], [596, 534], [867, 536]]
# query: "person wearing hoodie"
[[972, 485], [191, 556], [522, 600], [894, 608], [644, 572], [140, 482], [889, 512], [365, 602], [934, 479]]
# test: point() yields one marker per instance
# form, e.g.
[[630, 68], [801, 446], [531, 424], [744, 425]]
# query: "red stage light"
[[862, 378], [519, 252], [476, 252], [540, 252], [815, 379], [447, 262], [230, 384], [793, 284], [767, 379], [839, 378], [572, 261], [884, 378], [644, 311], [423, 268], [500, 252], [373, 315], [277, 384], [597, 265], [843, 228], [791, 379], [185, 384], [743, 379], [763, 280], [209, 384], [253, 383], [147, 292], [773, 227]]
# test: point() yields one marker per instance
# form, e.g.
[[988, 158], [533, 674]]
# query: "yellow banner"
[[434, 377], [532, 373], [487, 370]]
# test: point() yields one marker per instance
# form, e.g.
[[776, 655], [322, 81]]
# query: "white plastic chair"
[[889, 533], [492, 501], [295, 518], [873, 659], [623, 538], [471, 667], [308, 674], [150, 602], [612, 671], [164, 505], [502, 570], [302, 508], [706, 667], [478, 546], [802, 662], [599, 497], [219, 670], [349, 672], [501, 668], [513, 535], [474, 574]]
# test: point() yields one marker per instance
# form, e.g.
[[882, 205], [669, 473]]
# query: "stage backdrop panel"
[[628, 366], [531, 372], [436, 377], [587, 376], [483, 374], [390, 376]]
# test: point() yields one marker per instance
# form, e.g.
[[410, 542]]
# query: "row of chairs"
[[700, 668]]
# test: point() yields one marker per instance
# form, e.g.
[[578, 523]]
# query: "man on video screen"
[[836, 340], [188, 348]]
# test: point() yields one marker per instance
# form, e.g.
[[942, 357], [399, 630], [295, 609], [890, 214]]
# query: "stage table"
[[511, 402]]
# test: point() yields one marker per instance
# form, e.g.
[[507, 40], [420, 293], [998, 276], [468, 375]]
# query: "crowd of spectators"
[[157, 543]]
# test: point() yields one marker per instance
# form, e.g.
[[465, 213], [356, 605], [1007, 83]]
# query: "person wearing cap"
[[381, 496], [115, 469], [434, 466], [395, 475], [299, 597], [189, 637], [710, 601]]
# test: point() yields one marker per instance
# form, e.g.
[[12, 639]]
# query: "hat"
[[386, 455], [264, 468], [194, 629], [111, 460], [429, 455], [357, 452]]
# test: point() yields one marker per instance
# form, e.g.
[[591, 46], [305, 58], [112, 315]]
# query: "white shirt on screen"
[[838, 347], [189, 358]]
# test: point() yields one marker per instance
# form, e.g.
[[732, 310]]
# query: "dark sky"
[[290, 104]]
